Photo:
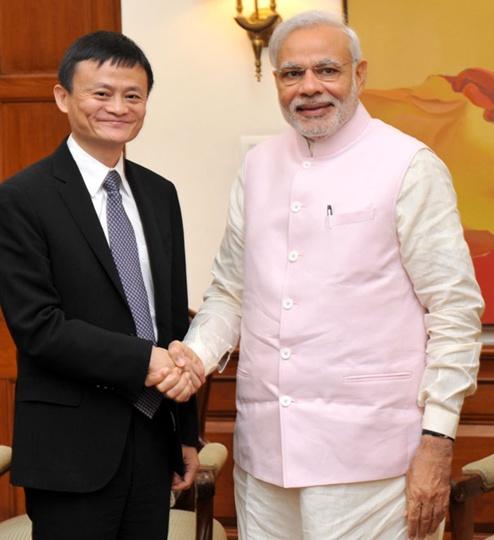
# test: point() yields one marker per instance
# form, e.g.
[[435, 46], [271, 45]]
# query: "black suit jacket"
[[80, 364]]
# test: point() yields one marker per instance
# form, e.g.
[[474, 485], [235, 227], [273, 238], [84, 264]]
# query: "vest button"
[[287, 303], [306, 164], [293, 256], [285, 401], [296, 206], [285, 353]]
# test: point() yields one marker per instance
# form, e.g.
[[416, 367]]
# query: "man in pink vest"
[[344, 269]]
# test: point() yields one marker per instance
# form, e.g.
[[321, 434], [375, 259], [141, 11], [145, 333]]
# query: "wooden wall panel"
[[479, 408], [25, 137], [52, 26], [7, 357]]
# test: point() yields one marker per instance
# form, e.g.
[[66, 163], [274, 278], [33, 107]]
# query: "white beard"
[[321, 128]]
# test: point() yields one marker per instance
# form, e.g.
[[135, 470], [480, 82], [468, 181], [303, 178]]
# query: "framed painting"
[[431, 74]]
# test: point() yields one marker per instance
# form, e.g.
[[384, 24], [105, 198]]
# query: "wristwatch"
[[436, 434]]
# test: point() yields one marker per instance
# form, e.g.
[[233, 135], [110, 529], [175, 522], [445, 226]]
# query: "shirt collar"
[[93, 171], [345, 136]]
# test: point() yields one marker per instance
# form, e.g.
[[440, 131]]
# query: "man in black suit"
[[92, 285]]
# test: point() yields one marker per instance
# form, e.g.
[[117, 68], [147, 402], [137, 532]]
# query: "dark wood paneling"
[[7, 355], [222, 396], [106, 15], [30, 131], [29, 87], [479, 408], [48, 28]]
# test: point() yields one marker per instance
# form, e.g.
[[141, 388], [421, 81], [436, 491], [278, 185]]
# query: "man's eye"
[[327, 71], [292, 74], [101, 93]]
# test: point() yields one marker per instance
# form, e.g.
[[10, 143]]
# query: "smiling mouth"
[[313, 109], [114, 123]]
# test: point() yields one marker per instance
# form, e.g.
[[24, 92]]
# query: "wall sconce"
[[259, 27]]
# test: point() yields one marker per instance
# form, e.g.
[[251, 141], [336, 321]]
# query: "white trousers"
[[360, 511]]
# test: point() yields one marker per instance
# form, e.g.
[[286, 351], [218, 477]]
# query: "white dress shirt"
[[94, 173], [427, 228]]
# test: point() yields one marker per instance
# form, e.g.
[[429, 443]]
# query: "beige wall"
[[205, 99]]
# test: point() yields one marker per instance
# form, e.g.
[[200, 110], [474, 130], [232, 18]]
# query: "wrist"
[[437, 434]]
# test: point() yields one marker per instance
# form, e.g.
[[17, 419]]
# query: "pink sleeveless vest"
[[332, 338]]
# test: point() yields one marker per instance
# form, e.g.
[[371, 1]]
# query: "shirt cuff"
[[440, 420], [208, 359]]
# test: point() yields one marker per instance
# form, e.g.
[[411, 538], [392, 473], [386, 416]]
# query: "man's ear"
[[60, 94], [361, 75]]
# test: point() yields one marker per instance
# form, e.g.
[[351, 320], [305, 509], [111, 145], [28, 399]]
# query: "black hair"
[[101, 47]]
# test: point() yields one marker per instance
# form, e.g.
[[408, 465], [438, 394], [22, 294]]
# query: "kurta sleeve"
[[215, 330], [437, 260]]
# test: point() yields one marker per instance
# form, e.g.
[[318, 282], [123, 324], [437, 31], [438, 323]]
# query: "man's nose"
[[310, 84], [117, 105]]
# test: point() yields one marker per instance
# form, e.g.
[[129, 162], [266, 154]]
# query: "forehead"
[[89, 72], [314, 43]]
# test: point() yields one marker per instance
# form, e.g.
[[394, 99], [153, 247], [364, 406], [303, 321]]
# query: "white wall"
[[205, 98]]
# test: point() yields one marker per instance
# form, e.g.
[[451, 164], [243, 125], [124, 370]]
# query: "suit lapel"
[[76, 196], [154, 240]]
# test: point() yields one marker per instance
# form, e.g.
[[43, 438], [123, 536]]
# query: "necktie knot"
[[112, 182]]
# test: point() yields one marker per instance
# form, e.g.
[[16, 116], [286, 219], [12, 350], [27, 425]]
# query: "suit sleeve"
[[32, 307], [187, 412]]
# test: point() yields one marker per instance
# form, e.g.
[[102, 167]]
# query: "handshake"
[[177, 372]]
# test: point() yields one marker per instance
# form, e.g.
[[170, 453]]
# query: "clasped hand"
[[177, 372]]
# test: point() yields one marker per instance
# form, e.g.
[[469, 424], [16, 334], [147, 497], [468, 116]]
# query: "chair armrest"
[[5, 458], [213, 456], [477, 478], [204, 483], [466, 487], [205, 489], [485, 469]]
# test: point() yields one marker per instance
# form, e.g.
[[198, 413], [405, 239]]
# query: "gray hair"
[[312, 18]]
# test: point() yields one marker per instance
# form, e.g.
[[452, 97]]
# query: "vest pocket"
[[347, 218], [377, 377]]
